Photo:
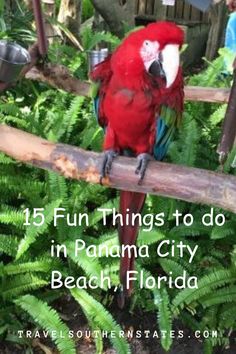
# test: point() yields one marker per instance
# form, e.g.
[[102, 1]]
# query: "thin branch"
[[206, 94], [59, 76], [189, 184]]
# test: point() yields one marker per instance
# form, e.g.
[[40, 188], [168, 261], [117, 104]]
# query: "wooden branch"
[[189, 184], [59, 76], [206, 94]]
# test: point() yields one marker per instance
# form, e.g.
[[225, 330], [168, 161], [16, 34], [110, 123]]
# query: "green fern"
[[219, 232], [11, 216], [44, 266], [206, 285], [48, 319], [19, 284], [170, 265], [33, 231], [221, 296], [164, 316], [91, 40], [101, 319], [8, 244]]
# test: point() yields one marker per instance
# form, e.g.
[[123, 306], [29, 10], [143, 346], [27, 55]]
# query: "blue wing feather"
[[96, 107], [161, 143], [166, 125]]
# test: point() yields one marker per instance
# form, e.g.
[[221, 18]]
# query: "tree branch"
[[189, 184], [59, 76]]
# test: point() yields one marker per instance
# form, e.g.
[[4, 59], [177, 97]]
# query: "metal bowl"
[[12, 59], [96, 56]]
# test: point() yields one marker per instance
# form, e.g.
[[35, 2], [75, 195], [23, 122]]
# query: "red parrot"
[[139, 104]]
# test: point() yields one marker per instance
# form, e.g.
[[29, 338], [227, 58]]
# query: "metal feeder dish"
[[13, 58], [96, 56]]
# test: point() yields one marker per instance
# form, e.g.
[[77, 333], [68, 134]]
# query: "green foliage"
[[91, 40], [16, 22], [49, 320], [101, 318], [87, 10]]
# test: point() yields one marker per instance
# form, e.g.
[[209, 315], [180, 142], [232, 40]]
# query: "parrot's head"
[[154, 49]]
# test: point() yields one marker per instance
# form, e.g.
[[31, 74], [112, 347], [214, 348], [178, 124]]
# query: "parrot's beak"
[[170, 63], [166, 66], [156, 69]]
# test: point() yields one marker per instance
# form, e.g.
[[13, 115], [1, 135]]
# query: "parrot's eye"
[[147, 43]]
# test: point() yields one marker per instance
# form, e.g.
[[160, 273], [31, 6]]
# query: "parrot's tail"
[[130, 203]]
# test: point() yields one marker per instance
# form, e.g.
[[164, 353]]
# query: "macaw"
[[139, 104]]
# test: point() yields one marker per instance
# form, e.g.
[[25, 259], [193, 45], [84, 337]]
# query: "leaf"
[[33, 231], [45, 316], [101, 318]]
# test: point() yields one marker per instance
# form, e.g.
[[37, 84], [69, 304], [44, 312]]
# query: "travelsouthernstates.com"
[[174, 334]]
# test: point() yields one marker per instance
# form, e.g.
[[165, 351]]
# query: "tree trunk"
[[49, 10], [218, 16], [70, 15], [115, 14]]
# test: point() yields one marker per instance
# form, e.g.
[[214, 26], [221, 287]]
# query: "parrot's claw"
[[143, 160], [108, 158]]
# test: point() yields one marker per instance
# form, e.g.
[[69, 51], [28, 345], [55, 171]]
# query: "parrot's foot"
[[143, 160], [108, 158]]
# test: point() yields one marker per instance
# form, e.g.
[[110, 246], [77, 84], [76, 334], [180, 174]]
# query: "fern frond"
[[32, 231], [48, 319], [12, 216], [196, 229], [8, 244], [164, 316], [227, 316], [227, 294], [170, 265], [5, 160], [149, 238], [206, 285], [228, 229], [9, 109], [96, 216], [72, 114], [90, 265], [218, 115], [19, 284], [44, 266], [101, 318], [57, 187]]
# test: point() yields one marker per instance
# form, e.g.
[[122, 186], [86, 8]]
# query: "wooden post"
[[218, 15], [229, 126], [160, 11]]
